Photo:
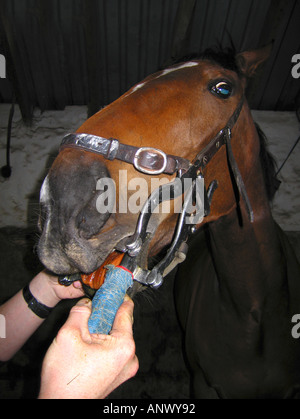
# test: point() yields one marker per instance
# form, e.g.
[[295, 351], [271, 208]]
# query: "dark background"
[[89, 52]]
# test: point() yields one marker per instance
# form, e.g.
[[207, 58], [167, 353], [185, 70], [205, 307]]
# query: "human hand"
[[46, 288], [79, 365], [65, 292]]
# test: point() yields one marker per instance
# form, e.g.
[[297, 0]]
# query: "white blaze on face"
[[137, 87], [176, 68], [45, 191], [45, 199], [164, 73]]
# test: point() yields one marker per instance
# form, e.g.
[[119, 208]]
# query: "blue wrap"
[[108, 299]]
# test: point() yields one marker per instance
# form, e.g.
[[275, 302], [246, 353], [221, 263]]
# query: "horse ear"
[[249, 61]]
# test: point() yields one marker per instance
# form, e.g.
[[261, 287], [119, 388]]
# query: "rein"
[[152, 161]]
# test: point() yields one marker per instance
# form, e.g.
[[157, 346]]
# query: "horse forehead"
[[164, 73], [177, 68], [191, 73]]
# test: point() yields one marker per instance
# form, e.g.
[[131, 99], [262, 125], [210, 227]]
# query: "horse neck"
[[246, 255]]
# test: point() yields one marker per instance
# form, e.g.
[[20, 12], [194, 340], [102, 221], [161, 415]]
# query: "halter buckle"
[[150, 161]]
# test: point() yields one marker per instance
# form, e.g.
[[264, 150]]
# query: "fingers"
[[79, 316], [122, 331], [124, 318], [77, 285]]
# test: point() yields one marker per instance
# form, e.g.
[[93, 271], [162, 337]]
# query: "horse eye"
[[221, 89]]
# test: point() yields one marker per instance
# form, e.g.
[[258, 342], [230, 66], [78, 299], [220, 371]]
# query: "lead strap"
[[237, 176]]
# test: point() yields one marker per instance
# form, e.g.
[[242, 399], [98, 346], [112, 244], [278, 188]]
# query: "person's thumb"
[[124, 318], [79, 316]]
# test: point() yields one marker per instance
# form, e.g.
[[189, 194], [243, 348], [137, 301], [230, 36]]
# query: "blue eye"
[[221, 89]]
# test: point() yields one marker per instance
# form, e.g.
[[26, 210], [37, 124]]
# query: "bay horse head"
[[181, 117]]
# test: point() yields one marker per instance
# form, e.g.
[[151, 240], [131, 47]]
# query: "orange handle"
[[96, 279]]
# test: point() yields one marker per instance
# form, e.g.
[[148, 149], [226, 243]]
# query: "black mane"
[[268, 165]]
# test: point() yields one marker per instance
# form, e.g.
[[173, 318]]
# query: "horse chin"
[[68, 263], [78, 254]]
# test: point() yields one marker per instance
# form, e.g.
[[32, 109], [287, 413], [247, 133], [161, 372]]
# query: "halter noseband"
[[152, 161]]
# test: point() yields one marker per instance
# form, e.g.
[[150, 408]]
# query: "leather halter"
[[153, 161], [147, 160]]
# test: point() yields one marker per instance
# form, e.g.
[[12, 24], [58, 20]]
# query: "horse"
[[239, 287]]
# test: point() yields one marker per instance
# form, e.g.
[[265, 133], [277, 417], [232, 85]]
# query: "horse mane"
[[226, 58], [268, 164]]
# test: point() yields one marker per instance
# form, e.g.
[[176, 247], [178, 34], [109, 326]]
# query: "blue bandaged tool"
[[108, 299]]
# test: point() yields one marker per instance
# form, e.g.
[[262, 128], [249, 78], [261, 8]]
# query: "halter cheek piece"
[[152, 161]]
